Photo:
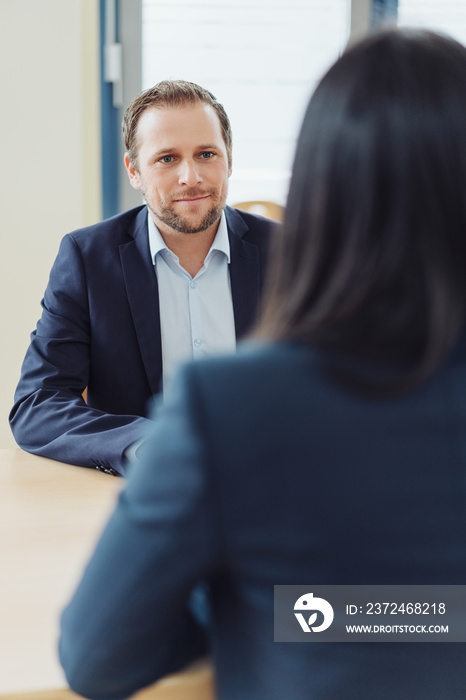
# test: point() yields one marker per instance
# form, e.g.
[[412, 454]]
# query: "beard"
[[185, 224]]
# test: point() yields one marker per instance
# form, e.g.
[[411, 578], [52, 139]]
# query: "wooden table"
[[50, 516]]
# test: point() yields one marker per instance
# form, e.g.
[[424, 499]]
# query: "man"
[[131, 297]]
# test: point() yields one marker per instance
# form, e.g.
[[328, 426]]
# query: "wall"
[[50, 174], [360, 11]]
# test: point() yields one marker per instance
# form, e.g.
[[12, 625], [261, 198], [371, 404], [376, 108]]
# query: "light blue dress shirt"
[[196, 314]]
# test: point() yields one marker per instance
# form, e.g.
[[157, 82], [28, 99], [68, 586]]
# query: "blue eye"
[[166, 159], [206, 155]]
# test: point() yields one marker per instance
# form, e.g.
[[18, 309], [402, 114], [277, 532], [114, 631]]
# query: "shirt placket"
[[195, 318]]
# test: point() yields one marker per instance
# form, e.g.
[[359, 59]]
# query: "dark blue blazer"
[[259, 471], [100, 328]]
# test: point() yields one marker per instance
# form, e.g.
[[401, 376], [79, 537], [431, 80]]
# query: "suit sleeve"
[[128, 623], [50, 417]]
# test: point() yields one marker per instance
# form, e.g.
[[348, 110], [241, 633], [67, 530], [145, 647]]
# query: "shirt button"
[[193, 285], [198, 342]]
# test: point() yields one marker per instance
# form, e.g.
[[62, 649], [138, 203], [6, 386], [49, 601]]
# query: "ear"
[[133, 173], [230, 169]]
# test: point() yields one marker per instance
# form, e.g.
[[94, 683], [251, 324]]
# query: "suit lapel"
[[143, 296], [244, 273]]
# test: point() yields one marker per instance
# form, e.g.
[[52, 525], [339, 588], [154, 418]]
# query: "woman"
[[331, 451]]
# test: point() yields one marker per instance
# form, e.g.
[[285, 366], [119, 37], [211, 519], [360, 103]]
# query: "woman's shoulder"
[[254, 368]]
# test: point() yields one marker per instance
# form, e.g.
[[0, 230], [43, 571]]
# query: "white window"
[[448, 16], [261, 59]]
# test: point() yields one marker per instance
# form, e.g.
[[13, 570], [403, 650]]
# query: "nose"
[[189, 174]]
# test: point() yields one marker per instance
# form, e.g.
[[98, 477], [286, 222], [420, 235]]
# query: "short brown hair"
[[170, 93]]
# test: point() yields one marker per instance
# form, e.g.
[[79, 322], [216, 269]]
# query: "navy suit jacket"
[[260, 471], [100, 328]]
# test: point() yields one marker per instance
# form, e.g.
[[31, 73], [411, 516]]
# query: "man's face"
[[182, 167]]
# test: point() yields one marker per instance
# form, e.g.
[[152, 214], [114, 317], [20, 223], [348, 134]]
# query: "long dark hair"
[[372, 260]]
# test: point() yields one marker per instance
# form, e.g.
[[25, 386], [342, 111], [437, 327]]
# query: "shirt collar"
[[221, 241]]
